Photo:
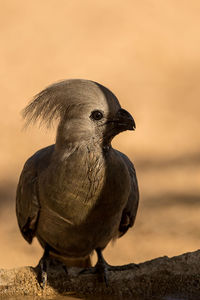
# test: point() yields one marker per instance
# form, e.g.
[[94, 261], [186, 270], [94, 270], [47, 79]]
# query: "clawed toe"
[[102, 268], [99, 269], [44, 279], [42, 275], [87, 271], [43, 266]]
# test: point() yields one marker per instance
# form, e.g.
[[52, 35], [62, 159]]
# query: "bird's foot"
[[43, 273], [102, 268], [47, 266], [43, 267]]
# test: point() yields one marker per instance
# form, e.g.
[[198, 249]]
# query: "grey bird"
[[79, 194]]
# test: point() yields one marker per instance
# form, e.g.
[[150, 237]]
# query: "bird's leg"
[[102, 267], [43, 265]]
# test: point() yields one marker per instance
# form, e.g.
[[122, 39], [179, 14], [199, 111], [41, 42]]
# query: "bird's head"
[[95, 115], [87, 111]]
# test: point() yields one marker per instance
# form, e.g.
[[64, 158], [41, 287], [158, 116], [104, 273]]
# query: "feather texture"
[[53, 102], [79, 194]]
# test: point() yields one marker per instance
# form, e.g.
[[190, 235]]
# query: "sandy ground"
[[148, 54]]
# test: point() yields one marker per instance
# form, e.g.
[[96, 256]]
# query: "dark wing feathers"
[[130, 210], [27, 204], [27, 198]]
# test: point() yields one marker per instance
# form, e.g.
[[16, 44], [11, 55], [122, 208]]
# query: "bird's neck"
[[80, 171], [68, 140], [67, 146]]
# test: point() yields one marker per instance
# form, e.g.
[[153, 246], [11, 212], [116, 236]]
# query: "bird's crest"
[[46, 106], [53, 102]]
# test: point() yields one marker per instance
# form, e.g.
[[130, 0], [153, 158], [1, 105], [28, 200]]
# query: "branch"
[[177, 276]]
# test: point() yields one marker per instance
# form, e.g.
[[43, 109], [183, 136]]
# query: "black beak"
[[124, 120]]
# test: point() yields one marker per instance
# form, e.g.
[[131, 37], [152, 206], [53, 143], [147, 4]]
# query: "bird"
[[77, 195]]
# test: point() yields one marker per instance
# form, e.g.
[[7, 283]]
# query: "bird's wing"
[[130, 210], [27, 199]]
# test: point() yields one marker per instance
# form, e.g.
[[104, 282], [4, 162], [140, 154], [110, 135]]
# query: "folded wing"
[[130, 210]]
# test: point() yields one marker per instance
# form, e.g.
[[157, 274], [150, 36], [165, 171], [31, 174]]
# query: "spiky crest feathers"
[[53, 102]]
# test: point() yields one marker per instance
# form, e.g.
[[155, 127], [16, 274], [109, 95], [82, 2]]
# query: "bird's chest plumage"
[[85, 199], [85, 180], [72, 185]]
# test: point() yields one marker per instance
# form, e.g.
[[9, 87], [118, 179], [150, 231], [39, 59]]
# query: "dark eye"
[[96, 115]]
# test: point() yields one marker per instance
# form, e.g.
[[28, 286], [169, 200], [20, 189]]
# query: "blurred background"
[[148, 53]]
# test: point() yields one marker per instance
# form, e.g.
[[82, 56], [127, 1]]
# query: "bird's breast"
[[72, 187], [85, 184], [82, 203]]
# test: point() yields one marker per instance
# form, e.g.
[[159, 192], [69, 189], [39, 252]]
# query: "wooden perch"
[[176, 276]]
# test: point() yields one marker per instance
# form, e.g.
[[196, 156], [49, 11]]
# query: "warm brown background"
[[148, 53]]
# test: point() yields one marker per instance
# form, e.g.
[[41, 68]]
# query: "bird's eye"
[[96, 115]]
